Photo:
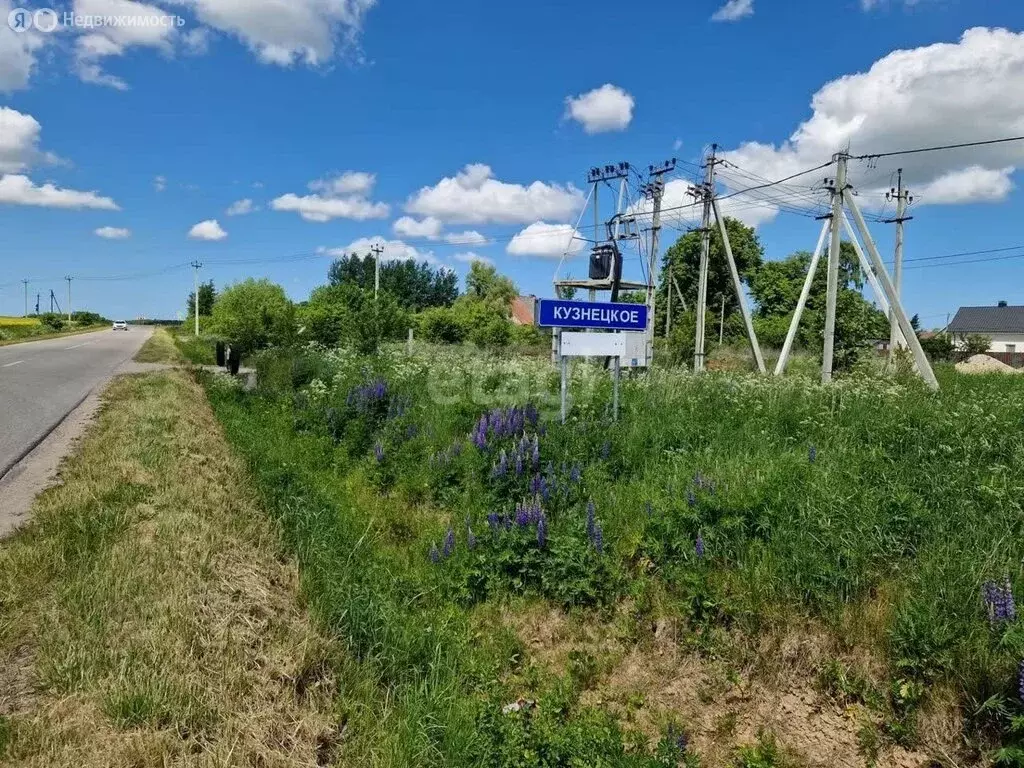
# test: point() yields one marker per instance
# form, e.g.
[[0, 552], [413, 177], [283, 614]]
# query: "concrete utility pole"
[[920, 359], [69, 298], [656, 191], [794, 326], [25, 283], [833, 268], [592, 294], [377, 251], [708, 191], [196, 266], [903, 199]]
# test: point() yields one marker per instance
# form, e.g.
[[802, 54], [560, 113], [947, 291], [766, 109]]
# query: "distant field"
[[18, 322]]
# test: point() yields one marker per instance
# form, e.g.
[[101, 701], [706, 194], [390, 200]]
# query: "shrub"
[[254, 314]]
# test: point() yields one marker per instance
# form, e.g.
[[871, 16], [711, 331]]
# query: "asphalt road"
[[42, 381]]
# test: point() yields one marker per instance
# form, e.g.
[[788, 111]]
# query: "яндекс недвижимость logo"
[[47, 20]]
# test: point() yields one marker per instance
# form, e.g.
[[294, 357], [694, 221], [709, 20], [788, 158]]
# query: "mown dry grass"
[[730, 694], [160, 348], [148, 616]]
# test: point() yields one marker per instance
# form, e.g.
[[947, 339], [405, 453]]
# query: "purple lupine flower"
[[535, 484], [542, 532], [456, 449], [507, 522], [449, 543], [691, 498], [698, 480], [591, 521], [519, 465], [991, 597], [606, 449], [700, 546], [378, 451], [536, 452], [532, 415], [575, 474], [1010, 605], [812, 454], [435, 556], [1020, 680], [598, 539], [545, 490], [470, 540], [493, 520], [678, 739], [411, 431], [522, 515]]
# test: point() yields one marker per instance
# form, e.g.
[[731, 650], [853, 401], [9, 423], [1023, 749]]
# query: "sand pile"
[[984, 364]]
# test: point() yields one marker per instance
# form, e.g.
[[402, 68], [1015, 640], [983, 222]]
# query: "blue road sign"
[[555, 313]]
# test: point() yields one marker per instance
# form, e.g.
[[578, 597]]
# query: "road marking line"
[[79, 346], [11, 365]]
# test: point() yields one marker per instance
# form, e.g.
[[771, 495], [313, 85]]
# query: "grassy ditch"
[[160, 348], [148, 616], [427, 498]]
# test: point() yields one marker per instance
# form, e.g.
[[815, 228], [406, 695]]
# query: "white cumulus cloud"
[[946, 93], [17, 189], [343, 197], [469, 258], [19, 142], [734, 10], [969, 185], [209, 230], [469, 237], [311, 32], [474, 196], [147, 27], [394, 250], [241, 207], [347, 183], [429, 228], [18, 52], [546, 240], [608, 108], [113, 233]]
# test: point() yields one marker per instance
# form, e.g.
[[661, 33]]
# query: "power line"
[[939, 148]]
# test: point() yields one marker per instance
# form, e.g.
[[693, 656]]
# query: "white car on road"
[[120, 325]]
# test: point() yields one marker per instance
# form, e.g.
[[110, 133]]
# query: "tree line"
[[347, 311]]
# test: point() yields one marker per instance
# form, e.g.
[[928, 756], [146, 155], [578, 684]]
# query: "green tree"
[[207, 298], [254, 314], [975, 344], [776, 288], [322, 318], [485, 283], [414, 285], [682, 261], [346, 314]]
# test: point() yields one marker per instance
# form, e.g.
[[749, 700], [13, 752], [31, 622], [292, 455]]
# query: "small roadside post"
[[626, 324]]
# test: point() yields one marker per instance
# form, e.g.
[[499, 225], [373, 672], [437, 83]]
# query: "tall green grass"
[[813, 501]]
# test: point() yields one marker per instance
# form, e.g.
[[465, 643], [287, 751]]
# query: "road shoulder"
[[147, 613]]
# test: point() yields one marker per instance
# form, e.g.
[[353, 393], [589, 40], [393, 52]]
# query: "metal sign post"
[[575, 344]]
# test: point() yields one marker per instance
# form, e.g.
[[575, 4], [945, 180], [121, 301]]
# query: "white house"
[[1003, 324]]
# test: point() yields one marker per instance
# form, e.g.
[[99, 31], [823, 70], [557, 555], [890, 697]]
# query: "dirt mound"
[[984, 364]]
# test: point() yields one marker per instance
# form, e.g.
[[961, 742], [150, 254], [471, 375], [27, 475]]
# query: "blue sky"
[[381, 102]]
